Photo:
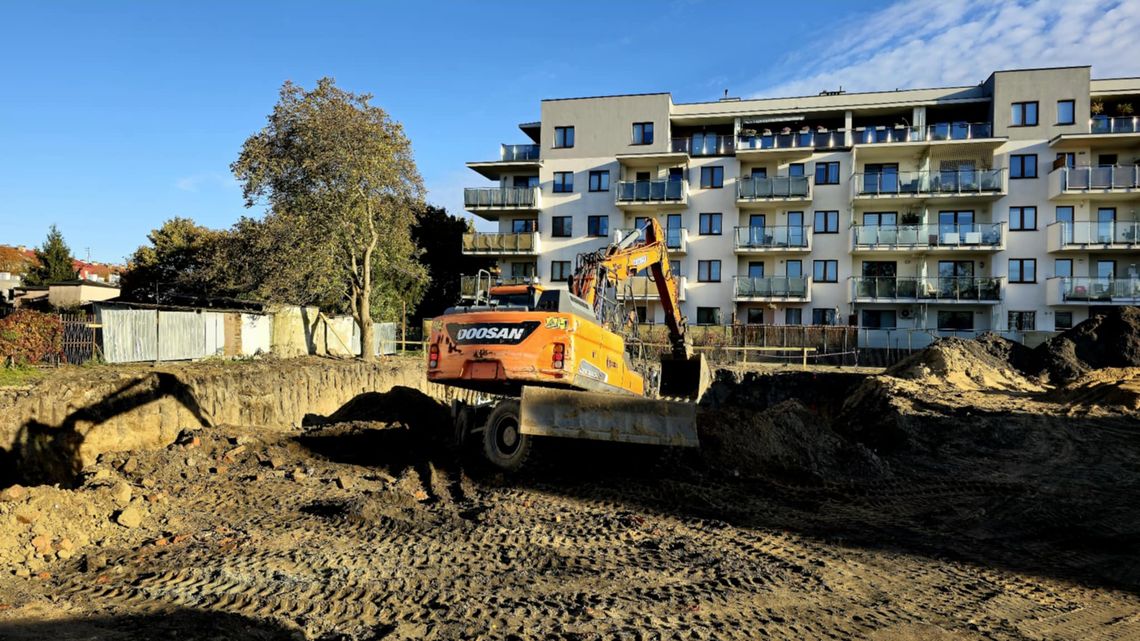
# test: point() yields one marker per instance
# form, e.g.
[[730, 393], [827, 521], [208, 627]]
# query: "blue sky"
[[115, 116]]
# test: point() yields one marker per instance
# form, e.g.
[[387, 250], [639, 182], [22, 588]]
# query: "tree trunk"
[[364, 317]]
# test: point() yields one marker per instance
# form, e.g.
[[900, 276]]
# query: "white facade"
[[933, 220]]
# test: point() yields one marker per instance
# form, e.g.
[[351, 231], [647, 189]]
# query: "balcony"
[[751, 191], [1117, 125], [514, 153], [968, 237], [1104, 132], [496, 244], [488, 200], [1085, 235], [746, 289], [676, 240], [881, 143], [1109, 182], [789, 145], [651, 194], [512, 159], [948, 289], [644, 288], [768, 240], [956, 185], [705, 145], [1092, 291]]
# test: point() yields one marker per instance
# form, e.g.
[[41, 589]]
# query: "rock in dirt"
[[121, 492], [130, 517], [1111, 339], [13, 493]]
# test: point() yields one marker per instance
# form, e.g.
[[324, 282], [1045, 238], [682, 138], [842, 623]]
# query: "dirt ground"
[[823, 505]]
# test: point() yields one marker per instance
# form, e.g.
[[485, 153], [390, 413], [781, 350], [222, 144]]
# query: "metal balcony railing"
[[1088, 232], [499, 197], [773, 237], [771, 286], [519, 152], [979, 235], [949, 182], [792, 140], [936, 132], [770, 188], [1097, 290], [500, 243], [1117, 125], [648, 191], [939, 288], [1084, 178]]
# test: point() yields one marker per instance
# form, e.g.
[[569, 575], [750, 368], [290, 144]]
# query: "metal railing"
[[1096, 290], [775, 187], [950, 181], [936, 132], [519, 152], [793, 140], [938, 235], [1085, 177], [771, 286], [470, 285], [1114, 125], [773, 237], [500, 243], [499, 196], [633, 191], [644, 287], [1088, 232], [938, 288]]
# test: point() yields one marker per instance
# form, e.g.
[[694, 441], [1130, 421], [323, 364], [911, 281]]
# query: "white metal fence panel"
[[181, 336], [128, 334], [385, 334], [256, 334]]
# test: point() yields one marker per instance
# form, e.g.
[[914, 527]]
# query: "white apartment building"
[[1010, 205]]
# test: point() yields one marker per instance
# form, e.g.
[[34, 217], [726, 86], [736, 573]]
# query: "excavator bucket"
[[686, 378], [601, 416]]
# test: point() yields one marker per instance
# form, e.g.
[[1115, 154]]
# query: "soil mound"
[[1106, 340], [1024, 359], [1112, 388], [398, 405], [964, 365]]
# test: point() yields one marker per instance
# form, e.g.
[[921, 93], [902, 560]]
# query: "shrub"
[[28, 337]]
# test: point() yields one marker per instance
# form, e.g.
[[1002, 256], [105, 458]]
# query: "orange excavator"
[[555, 363]]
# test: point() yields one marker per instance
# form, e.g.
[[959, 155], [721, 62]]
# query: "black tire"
[[503, 445]]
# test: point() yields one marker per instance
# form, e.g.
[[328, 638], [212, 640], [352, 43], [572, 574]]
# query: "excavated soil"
[[822, 506]]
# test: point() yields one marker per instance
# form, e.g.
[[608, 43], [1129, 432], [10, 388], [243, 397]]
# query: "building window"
[[1063, 267], [710, 224], [600, 180], [1024, 114], [597, 225], [793, 316], [1022, 218], [708, 271], [563, 182], [712, 177], [1023, 165], [826, 222], [523, 225], [956, 321], [1066, 159], [560, 226], [880, 319], [823, 316], [1022, 321], [1063, 320], [708, 316], [827, 173], [559, 270], [825, 271], [755, 316], [1023, 270], [563, 137], [642, 133], [796, 169], [1066, 112], [520, 271]]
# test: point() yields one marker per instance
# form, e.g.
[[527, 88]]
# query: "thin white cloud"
[[920, 43], [196, 182]]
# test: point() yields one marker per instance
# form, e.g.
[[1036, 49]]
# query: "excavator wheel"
[[504, 444]]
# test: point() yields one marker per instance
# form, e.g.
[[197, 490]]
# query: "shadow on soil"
[[185, 624], [49, 454]]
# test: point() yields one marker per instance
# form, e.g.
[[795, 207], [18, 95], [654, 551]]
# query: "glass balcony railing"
[[792, 140], [939, 288], [981, 235], [649, 191], [774, 237], [676, 238], [1084, 178], [949, 182], [1097, 290], [519, 152], [497, 243], [505, 197], [771, 188], [1088, 232], [1117, 125], [935, 132], [771, 286]]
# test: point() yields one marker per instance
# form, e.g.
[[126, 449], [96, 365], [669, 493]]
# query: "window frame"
[[1057, 315], [599, 174], [713, 171], [828, 313], [554, 277], [799, 313], [561, 185], [1021, 210], [563, 130], [826, 165], [1022, 107], [815, 228], [710, 216], [826, 262], [592, 225], [1072, 112], [1022, 262], [1021, 159], [707, 276], [561, 226], [715, 313], [643, 141]]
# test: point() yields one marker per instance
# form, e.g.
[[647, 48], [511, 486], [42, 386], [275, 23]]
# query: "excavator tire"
[[504, 445]]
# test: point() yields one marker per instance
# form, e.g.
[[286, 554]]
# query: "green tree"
[[440, 235], [54, 262], [179, 265], [343, 191]]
